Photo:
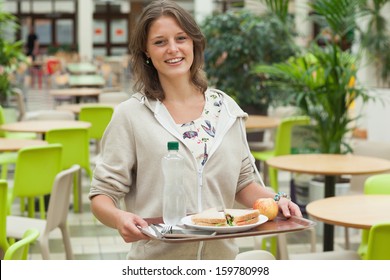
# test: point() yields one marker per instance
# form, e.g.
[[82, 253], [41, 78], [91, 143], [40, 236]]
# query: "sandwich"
[[241, 217], [210, 217]]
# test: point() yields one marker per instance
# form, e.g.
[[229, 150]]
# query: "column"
[[85, 29], [202, 9], [303, 25]]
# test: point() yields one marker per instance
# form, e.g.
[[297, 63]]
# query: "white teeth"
[[174, 60]]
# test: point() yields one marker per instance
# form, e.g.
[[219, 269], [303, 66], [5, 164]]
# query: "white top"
[[199, 134]]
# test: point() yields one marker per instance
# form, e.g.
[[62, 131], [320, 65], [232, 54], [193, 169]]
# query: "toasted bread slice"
[[239, 217], [209, 217]]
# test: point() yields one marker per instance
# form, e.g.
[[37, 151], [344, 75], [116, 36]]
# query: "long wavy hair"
[[146, 76]]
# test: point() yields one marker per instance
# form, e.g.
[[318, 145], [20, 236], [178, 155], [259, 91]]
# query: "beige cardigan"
[[130, 168]]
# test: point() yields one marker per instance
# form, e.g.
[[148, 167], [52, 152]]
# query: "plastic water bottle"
[[174, 200]]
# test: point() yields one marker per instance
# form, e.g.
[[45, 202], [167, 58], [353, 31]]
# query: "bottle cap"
[[173, 146]]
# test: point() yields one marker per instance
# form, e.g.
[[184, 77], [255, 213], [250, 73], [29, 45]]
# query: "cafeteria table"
[[81, 68], [257, 123], [76, 108], [13, 145], [355, 211], [42, 126], [86, 81], [331, 166], [78, 93]]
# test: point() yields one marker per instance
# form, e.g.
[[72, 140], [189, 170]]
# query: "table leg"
[[330, 186]]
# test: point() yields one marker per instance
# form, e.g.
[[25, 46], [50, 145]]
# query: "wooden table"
[[330, 166], [81, 68], [42, 126], [76, 108], [13, 145], [76, 92], [86, 81], [257, 122], [356, 211]]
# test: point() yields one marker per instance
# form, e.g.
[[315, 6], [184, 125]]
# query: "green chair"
[[75, 144], [19, 250], [99, 116], [3, 216], [36, 168], [378, 245], [282, 145], [10, 158], [5, 160], [375, 184], [18, 135]]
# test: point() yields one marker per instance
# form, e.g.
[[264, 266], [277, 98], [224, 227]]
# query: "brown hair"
[[146, 76]]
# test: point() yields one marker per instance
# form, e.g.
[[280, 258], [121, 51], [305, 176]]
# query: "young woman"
[[173, 103]]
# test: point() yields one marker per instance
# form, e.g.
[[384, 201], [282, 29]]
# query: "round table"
[[356, 211], [257, 122], [76, 108], [76, 92], [42, 126], [13, 145], [330, 165]]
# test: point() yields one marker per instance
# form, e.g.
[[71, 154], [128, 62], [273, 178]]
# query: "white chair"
[[255, 255], [113, 97], [57, 214]]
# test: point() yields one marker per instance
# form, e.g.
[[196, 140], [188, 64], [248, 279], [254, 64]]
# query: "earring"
[[148, 60]]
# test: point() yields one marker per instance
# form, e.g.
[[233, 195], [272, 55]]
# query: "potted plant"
[[324, 87], [236, 41], [11, 54]]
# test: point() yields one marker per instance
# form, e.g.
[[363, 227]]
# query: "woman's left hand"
[[288, 208]]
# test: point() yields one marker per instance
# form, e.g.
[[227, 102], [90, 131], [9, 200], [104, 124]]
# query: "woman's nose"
[[172, 47]]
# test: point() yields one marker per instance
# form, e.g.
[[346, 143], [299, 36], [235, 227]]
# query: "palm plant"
[[278, 8], [323, 82], [338, 17], [376, 37]]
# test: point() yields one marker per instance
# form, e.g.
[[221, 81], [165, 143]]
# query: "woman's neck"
[[184, 101]]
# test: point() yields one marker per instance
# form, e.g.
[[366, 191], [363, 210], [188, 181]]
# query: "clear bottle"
[[174, 200]]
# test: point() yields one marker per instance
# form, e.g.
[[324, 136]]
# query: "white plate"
[[224, 229]]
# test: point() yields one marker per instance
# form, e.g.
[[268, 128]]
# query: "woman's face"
[[169, 48]]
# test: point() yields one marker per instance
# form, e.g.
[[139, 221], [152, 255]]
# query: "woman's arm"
[[248, 195], [126, 223]]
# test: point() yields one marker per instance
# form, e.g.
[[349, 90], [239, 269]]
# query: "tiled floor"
[[92, 240]]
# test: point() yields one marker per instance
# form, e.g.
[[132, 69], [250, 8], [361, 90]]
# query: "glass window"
[[43, 29], [25, 28], [10, 7], [99, 51], [99, 31], [65, 6], [42, 7], [25, 7], [117, 51], [119, 31], [64, 32]]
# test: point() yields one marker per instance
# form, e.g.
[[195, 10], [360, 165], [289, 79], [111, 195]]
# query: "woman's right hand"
[[127, 226]]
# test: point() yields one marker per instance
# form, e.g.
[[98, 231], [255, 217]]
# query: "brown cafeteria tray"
[[278, 225]]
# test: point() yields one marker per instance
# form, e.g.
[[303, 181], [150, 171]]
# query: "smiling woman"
[[173, 103]]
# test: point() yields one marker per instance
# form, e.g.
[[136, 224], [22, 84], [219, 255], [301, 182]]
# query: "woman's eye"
[[159, 42], [182, 38]]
